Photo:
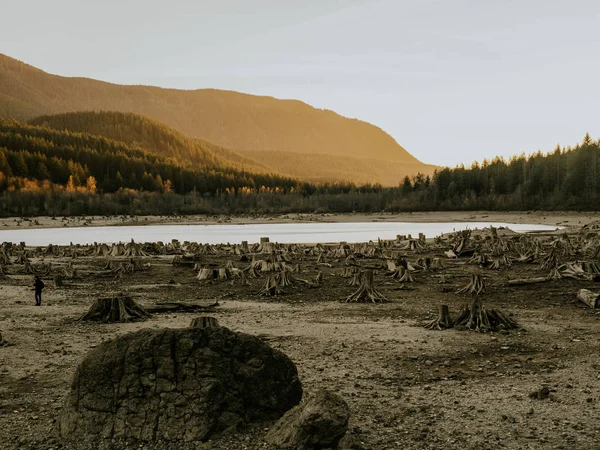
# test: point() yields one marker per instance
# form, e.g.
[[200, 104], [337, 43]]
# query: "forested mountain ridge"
[[31, 153], [139, 131], [237, 121]]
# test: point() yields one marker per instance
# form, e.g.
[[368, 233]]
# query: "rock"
[[177, 385], [318, 423], [541, 394]]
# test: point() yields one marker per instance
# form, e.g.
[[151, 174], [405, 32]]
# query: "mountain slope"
[[139, 131], [230, 119], [29, 152]]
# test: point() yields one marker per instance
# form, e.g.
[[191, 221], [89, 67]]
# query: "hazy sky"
[[451, 80]]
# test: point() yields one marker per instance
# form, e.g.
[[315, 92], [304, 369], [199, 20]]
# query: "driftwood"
[[525, 281], [589, 298], [366, 292], [443, 320], [204, 322], [118, 309]]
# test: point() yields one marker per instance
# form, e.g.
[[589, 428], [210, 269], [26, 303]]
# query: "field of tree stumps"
[[475, 339]]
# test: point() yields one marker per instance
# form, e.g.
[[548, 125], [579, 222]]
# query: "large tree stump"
[[204, 322], [118, 309], [366, 292], [478, 318], [443, 320]]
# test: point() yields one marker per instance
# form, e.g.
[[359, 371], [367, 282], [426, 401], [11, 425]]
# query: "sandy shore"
[[562, 218]]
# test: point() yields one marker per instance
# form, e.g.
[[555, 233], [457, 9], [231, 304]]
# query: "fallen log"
[[525, 281], [589, 298]]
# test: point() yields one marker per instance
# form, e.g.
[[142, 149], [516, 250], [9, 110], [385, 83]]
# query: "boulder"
[[177, 385], [318, 423]]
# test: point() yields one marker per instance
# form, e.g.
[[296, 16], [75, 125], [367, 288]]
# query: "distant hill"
[[40, 154], [233, 120], [139, 131]]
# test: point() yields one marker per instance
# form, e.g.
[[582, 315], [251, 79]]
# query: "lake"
[[277, 232]]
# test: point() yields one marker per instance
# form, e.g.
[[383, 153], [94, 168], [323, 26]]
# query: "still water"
[[277, 232]]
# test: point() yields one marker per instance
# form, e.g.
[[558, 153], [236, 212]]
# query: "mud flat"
[[407, 387], [561, 218]]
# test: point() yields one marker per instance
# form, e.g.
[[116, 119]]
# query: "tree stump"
[[475, 287], [204, 322], [366, 292], [271, 287], [118, 309], [443, 321], [58, 281], [205, 274], [478, 318]]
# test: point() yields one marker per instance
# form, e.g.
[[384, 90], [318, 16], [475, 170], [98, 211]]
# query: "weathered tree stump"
[[205, 274], [118, 309], [475, 287], [366, 292], [58, 281], [478, 318], [437, 264], [271, 287], [284, 278], [443, 321], [204, 322]]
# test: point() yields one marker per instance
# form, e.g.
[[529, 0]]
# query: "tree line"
[[45, 171]]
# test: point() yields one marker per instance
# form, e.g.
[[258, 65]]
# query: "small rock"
[[318, 423]]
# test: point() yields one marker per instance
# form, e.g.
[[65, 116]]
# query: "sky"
[[453, 81]]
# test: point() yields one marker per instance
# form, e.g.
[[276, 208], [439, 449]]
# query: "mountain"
[[245, 123], [152, 136]]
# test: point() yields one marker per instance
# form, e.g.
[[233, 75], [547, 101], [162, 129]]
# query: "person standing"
[[38, 284]]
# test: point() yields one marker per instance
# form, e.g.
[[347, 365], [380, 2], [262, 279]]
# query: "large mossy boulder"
[[177, 385]]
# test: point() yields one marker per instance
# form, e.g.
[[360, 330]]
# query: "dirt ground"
[[562, 218], [407, 387]]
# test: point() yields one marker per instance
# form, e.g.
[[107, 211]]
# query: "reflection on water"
[[277, 232]]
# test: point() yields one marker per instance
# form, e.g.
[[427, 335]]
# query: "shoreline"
[[565, 219]]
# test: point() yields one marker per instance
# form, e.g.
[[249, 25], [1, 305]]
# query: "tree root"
[[443, 321], [478, 318], [119, 309], [366, 292], [475, 287]]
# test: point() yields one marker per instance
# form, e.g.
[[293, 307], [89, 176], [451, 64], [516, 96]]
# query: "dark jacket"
[[38, 284]]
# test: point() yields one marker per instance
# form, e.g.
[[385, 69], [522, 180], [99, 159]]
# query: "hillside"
[[233, 120], [138, 131], [30, 155]]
